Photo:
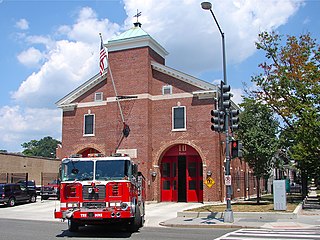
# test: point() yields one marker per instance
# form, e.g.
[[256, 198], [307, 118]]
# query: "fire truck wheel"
[[135, 223], [73, 226], [11, 202]]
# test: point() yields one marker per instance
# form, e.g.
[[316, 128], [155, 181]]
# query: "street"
[[12, 229]]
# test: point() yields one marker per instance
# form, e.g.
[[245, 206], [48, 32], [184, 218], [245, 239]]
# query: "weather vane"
[[137, 15]]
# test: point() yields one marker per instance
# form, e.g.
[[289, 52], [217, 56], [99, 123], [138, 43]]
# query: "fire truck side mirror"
[[134, 170]]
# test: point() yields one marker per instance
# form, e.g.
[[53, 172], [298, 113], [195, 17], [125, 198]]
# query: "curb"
[[247, 215], [223, 225]]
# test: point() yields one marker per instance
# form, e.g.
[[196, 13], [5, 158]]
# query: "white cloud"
[[237, 95], [19, 125], [22, 24], [69, 62], [30, 57], [191, 36], [88, 26]]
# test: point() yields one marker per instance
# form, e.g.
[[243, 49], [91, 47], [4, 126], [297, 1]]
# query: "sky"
[[49, 48]]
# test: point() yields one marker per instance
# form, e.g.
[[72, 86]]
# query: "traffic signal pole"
[[228, 215]]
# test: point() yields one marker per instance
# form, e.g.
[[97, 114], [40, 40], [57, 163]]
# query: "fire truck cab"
[[101, 190]]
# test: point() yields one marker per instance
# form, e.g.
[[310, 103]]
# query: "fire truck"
[[101, 190]]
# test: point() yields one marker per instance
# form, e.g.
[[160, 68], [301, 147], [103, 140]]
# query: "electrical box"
[[279, 195]]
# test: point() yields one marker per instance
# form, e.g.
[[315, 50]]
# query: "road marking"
[[275, 234]]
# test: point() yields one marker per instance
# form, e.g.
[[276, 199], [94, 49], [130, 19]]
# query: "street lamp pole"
[[228, 215]]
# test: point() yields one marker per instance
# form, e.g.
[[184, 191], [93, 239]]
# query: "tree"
[[258, 135], [289, 84], [45, 147]]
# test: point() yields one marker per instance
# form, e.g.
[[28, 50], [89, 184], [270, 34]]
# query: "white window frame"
[[184, 116], [98, 99], [84, 125], [166, 88]]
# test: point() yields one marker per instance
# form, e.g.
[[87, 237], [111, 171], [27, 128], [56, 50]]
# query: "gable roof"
[[66, 101], [182, 76]]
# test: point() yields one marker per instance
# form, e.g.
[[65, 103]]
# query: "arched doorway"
[[86, 151], [181, 175]]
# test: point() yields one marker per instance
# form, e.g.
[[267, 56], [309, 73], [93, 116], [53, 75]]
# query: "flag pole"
[[113, 84]]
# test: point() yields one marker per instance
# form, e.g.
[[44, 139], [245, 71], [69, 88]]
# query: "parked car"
[[12, 193], [50, 190], [31, 184]]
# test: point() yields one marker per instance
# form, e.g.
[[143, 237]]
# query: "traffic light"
[[234, 119], [217, 120], [236, 149], [225, 96]]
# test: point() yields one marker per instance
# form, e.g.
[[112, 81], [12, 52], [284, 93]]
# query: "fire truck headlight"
[[124, 206], [72, 205]]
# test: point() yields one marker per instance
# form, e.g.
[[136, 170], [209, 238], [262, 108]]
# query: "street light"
[[228, 215]]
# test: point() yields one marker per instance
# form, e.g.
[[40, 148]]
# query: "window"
[[98, 96], [178, 118], [192, 185], [166, 90], [88, 125], [166, 170]]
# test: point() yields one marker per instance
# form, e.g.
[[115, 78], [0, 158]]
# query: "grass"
[[266, 205]]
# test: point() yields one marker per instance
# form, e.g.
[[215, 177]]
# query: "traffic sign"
[[209, 182], [227, 180]]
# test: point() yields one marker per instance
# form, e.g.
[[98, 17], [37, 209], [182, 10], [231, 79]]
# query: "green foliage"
[[289, 84], [289, 81], [258, 135], [45, 147]]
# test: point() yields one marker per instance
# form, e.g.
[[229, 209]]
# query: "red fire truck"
[[101, 190]]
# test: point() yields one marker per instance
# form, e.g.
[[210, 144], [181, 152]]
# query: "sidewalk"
[[244, 220], [299, 219]]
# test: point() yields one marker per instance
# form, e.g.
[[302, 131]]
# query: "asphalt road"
[[12, 229]]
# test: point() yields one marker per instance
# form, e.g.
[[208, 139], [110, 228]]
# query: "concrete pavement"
[[246, 220]]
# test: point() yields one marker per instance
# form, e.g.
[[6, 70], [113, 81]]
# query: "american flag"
[[103, 54]]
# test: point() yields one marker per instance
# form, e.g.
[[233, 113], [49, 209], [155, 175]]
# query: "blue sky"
[[48, 48]]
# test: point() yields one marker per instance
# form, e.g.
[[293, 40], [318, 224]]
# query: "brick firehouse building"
[[168, 113]]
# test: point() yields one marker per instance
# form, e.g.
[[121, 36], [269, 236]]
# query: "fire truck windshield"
[[77, 170], [113, 169]]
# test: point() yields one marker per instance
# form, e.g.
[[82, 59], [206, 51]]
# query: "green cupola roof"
[[135, 37]]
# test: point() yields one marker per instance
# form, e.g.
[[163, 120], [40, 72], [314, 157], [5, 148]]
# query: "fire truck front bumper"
[[92, 214]]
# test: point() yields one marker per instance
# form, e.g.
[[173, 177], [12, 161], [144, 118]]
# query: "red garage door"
[[181, 175]]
